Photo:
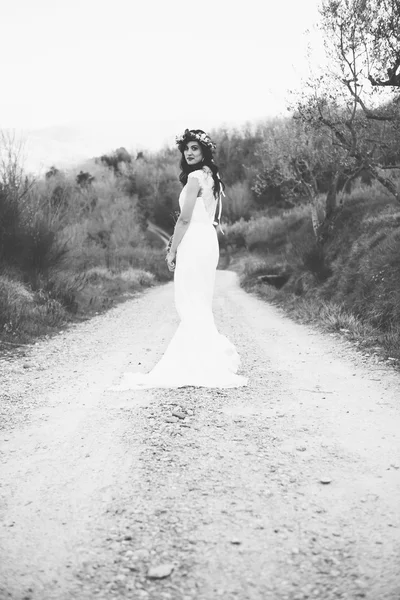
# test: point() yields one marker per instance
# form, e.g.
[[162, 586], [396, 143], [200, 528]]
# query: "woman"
[[197, 354]]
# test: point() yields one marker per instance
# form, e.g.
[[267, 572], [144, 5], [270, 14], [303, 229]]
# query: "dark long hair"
[[207, 161]]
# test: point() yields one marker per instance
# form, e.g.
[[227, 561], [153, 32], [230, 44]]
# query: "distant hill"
[[67, 145]]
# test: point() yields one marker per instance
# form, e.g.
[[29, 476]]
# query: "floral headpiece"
[[190, 135]]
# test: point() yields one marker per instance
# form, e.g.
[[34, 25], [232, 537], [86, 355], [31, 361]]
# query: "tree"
[[84, 179], [14, 188], [52, 172], [12, 175], [381, 30], [300, 162], [362, 38], [341, 105], [357, 30], [117, 160]]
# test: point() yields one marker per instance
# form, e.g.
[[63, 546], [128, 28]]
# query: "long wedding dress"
[[197, 355]]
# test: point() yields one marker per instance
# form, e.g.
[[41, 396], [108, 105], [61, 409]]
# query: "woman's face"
[[193, 153]]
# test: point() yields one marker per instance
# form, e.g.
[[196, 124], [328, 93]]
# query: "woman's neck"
[[195, 167]]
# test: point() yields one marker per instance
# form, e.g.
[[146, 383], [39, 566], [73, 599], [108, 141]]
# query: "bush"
[[54, 230], [28, 235], [305, 254], [238, 201], [235, 234], [134, 277], [15, 300], [151, 260], [64, 286], [266, 233], [104, 287], [368, 282], [254, 267], [24, 313], [351, 282]]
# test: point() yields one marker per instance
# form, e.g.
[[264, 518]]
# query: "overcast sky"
[[193, 63]]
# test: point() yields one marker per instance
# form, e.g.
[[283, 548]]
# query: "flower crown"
[[203, 138]]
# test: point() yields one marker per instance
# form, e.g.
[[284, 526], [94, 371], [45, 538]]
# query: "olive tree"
[[348, 103], [381, 31], [299, 161]]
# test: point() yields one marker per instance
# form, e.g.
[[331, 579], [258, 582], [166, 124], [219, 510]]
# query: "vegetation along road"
[[287, 489]]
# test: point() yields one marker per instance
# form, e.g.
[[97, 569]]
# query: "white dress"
[[197, 355]]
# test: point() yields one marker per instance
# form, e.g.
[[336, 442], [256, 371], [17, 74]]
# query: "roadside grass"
[[25, 314], [68, 297], [69, 252], [330, 317], [104, 288], [352, 288]]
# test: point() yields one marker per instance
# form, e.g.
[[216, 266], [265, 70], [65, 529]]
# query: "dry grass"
[[238, 202], [24, 314], [105, 287], [69, 250], [352, 288], [332, 317]]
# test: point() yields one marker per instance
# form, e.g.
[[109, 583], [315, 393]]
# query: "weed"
[[351, 283]]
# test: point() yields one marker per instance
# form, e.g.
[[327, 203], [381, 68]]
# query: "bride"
[[197, 355]]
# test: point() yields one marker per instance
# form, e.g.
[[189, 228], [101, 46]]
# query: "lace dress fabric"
[[197, 355]]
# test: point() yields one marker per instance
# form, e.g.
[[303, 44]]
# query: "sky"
[[157, 64]]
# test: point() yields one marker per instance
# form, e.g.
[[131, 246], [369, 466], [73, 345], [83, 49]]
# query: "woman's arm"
[[192, 189]]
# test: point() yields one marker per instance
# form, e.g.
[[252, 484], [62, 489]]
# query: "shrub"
[[255, 269], [24, 313], [84, 179], [238, 201], [265, 233], [55, 229], [151, 260], [369, 283], [351, 282], [104, 286], [15, 299], [305, 254], [116, 160], [63, 286], [235, 234], [137, 276]]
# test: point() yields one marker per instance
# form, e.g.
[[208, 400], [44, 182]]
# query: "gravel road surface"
[[288, 489]]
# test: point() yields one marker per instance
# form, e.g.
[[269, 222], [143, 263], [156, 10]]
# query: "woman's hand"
[[171, 259]]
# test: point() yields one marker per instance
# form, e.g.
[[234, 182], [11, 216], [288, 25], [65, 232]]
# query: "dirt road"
[[287, 489]]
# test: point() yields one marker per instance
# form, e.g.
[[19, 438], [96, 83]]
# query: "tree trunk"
[[315, 219], [330, 203], [326, 226], [311, 191]]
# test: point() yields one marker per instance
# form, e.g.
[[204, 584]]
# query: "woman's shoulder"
[[200, 174]]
